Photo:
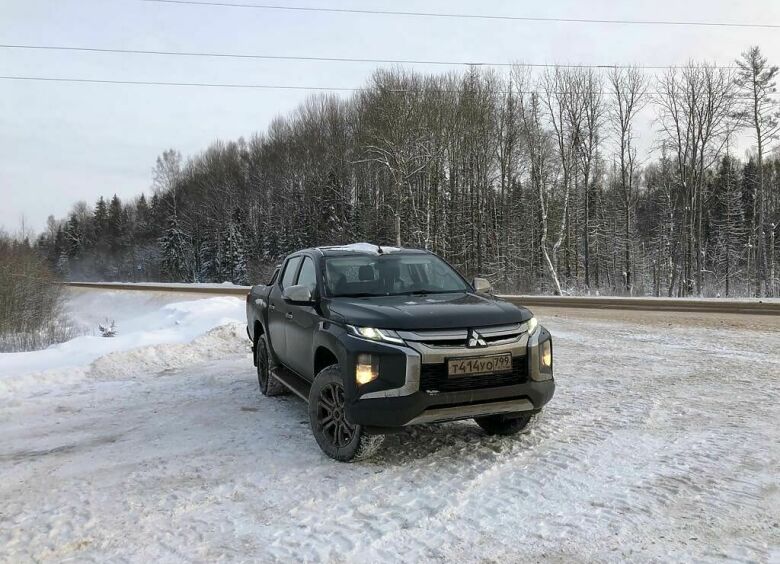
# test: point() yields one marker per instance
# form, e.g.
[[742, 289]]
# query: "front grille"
[[433, 377], [461, 343], [459, 338]]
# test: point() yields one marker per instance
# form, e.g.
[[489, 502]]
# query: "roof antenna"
[[379, 250]]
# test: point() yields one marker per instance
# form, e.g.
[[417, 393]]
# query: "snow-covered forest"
[[534, 179]]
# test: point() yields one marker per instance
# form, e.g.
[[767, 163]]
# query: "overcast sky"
[[60, 143]]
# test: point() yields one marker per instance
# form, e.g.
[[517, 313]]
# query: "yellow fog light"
[[547, 354], [366, 369]]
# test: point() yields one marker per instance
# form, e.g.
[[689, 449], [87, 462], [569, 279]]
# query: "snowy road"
[[662, 442]]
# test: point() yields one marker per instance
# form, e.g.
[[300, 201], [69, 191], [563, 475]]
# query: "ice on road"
[[661, 443]]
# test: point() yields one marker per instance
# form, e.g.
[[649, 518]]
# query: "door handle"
[[288, 315], [272, 307]]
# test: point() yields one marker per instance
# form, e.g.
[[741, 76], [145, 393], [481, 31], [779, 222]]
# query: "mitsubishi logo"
[[475, 340]]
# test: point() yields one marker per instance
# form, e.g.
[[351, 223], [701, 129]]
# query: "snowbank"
[[144, 323]]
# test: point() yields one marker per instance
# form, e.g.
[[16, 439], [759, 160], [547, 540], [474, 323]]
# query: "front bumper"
[[423, 407], [407, 394]]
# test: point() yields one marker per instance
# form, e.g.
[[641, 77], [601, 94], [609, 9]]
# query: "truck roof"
[[365, 249]]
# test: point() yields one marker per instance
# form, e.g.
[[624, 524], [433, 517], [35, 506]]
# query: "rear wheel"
[[335, 434], [269, 385], [508, 424]]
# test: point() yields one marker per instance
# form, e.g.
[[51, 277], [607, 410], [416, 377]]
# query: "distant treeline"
[[533, 181]]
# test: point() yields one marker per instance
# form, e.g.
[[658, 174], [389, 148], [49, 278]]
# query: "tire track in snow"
[[484, 464], [632, 406]]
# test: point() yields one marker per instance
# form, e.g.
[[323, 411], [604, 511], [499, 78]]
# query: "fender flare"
[[328, 337]]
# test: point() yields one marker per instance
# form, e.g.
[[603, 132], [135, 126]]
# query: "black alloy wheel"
[[331, 416], [335, 434]]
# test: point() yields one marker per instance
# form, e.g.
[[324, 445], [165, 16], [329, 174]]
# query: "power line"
[[470, 16], [195, 84], [278, 86], [333, 59]]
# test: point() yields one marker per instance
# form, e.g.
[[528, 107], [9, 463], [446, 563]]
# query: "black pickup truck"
[[377, 338]]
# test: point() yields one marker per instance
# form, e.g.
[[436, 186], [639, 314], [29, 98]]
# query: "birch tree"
[[537, 144]]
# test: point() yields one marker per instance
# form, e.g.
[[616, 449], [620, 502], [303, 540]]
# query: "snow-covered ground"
[[662, 443]]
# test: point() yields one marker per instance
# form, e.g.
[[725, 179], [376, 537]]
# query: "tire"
[[337, 437], [269, 385], [505, 424]]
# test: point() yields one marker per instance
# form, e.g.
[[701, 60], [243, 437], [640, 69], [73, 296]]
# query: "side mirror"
[[482, 286], [297, 294]]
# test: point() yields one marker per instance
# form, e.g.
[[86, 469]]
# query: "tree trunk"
[[761, 262], [628, 249], [771, 292], [586, 240]]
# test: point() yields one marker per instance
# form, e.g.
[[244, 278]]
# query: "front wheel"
[[508, 424], [335, 434]]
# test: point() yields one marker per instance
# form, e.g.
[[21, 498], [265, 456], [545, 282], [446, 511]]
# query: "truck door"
[[301, 328], [278, 310]]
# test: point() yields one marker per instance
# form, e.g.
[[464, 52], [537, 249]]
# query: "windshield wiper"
[[358, 295]]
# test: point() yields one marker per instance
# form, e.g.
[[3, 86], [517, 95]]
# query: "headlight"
[[531, 326], [372, 334]]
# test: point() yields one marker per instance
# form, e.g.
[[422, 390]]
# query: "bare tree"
[[756, 81], [537, 144], [628, 89], [586, 115], [564, 112], [695, 107], [395, 136], [166, 173]]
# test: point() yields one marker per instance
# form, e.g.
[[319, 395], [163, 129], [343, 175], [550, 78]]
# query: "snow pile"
[[368, 248], [220, 341], [147, 326]]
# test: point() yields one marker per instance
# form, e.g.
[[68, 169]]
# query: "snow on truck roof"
[[364, 248]]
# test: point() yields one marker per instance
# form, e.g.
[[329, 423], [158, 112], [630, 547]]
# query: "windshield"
[[390, 275]]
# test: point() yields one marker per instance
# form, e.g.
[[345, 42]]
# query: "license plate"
[[475, 365]]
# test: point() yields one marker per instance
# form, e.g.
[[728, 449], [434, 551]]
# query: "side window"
[[289, 271], [308, 276]]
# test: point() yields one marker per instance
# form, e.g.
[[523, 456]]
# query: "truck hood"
[[432, 311]]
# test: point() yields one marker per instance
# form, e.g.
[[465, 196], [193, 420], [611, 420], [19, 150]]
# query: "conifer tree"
[[173, 250]]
